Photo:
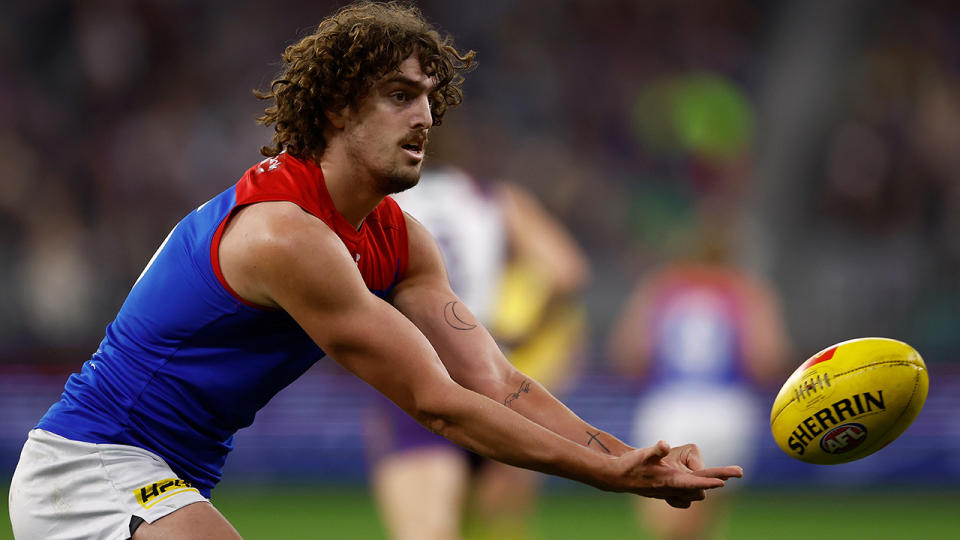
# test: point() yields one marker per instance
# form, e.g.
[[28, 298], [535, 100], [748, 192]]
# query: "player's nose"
[[422, 116]]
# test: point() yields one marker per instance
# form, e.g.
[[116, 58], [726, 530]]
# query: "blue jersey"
[[697, 327], [187, 362]]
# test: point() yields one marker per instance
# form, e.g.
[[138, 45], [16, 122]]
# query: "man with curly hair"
[[306, 256]]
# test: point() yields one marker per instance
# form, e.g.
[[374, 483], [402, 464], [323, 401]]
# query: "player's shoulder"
[[282, 163], [282, 177], [417, 232], [270, 246], [264, 235], [279, 224]]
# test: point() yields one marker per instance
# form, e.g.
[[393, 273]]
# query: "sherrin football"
[[849, 400]]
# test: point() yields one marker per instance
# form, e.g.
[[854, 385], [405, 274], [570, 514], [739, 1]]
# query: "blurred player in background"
[[305, 256], [707, 337], [520, 273]]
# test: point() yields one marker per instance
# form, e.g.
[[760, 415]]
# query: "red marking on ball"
[[822, 357]]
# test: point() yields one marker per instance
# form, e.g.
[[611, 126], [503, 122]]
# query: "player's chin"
[[400, 180]]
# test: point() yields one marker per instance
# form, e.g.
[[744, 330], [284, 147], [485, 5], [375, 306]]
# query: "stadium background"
[[827, 132]]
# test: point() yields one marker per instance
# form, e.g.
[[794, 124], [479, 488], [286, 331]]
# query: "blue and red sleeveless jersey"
[[187, 362], [698, 327]]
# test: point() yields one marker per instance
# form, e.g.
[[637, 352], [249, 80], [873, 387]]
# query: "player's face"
[[387, 134]]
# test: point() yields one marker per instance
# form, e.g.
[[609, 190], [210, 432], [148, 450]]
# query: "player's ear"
[[338, 118]]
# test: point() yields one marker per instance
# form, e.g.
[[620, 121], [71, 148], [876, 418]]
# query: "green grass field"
[[270, 513]]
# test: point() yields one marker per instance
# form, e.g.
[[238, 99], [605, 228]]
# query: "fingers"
[[694, 481], [676, 474], [706, 478], [662, 447], [657, 452], [722, 473], [685, 500], [690, 456], [684, 485]]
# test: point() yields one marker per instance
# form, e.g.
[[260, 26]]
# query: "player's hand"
[[676, 475]]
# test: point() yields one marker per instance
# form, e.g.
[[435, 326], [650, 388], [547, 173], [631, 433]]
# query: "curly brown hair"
[[338, 64]]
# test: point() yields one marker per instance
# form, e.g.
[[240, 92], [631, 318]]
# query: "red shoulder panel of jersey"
[[380, 245]]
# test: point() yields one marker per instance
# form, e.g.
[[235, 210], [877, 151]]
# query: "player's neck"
[[352, 192]]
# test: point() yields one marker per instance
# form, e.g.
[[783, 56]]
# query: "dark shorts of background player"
[[391, 432]]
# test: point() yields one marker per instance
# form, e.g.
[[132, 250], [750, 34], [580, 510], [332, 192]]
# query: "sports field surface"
[[272, 513]]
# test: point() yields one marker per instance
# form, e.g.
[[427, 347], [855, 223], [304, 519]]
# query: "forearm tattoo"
[[593, 437], [524, 389], [454, 320]]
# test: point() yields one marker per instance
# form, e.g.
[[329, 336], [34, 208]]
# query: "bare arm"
[[277, 255]]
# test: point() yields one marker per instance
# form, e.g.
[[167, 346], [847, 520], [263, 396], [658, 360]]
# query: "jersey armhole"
[[215, 263]]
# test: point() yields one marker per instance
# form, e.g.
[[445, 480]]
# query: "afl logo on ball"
[[843, 438]]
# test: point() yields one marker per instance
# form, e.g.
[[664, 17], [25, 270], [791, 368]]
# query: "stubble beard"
[[398, 180]]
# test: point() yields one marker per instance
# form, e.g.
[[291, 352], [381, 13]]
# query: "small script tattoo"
[[454, 320], [593, 437], [524, 389]]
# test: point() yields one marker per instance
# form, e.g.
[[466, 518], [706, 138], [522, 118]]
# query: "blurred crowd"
[[822, 138]]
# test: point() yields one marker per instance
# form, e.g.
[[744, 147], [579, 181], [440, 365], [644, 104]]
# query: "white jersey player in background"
[[468, 222]]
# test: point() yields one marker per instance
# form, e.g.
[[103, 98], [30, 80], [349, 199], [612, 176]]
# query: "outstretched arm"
[[277, 255], [473, 359]]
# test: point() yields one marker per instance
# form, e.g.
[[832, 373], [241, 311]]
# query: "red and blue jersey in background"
[[698, 327], [187, 362]]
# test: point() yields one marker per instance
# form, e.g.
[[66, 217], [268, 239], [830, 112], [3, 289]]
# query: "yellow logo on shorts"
[[151, 494]]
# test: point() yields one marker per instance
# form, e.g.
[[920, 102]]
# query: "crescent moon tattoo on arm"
[[454, 320]]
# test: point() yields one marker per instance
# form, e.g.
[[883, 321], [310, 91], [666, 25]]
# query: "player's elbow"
[[436, 408], [437, 424]]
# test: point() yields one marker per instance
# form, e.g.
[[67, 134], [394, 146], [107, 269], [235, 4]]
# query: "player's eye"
[[399, 96]]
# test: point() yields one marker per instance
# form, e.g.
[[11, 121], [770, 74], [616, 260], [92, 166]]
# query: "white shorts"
[[70, 489], [722, 421]]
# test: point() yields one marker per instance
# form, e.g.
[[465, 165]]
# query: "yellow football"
[[849, 400]]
